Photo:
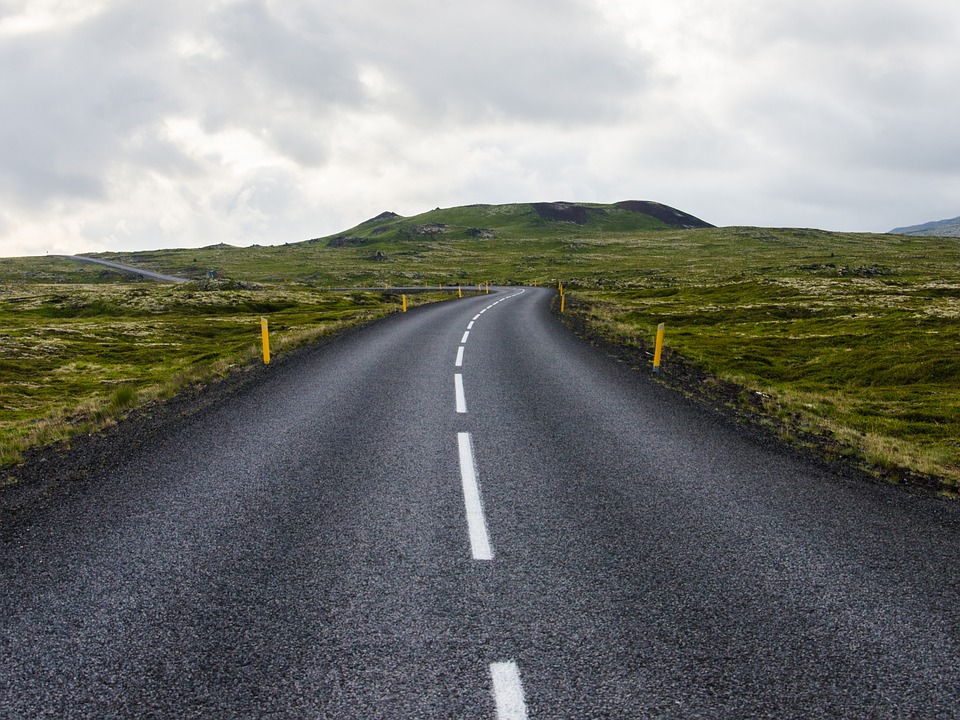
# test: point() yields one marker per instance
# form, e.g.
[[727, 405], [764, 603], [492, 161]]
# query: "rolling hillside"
[[528, 220], [503, 243], [939, 228]]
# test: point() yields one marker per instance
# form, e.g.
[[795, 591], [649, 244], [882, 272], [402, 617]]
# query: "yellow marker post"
[[404, 299], [560, 287], [562, 302], [659, 349], [265, 335], [459, 291], [488, 287]]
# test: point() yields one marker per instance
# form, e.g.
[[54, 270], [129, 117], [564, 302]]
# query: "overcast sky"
[[134, 124]]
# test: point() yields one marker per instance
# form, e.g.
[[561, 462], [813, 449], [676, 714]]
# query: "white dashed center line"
[[461, 398], [476, 524], [507, 687], [508, 691]]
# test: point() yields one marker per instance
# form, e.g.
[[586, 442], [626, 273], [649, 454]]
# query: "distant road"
[[150, 275], [464, 511]]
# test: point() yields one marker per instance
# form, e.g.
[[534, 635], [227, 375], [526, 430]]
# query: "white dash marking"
[[459, 362], [465, 336], [476, 317], [461, 398], [470, 325], [508, 691], [476, 524]]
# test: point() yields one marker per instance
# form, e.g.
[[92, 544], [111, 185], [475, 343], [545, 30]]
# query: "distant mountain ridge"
[[518, 221], [939, 228]]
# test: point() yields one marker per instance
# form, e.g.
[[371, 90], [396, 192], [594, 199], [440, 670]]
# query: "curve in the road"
[[148, 274], [311, 548]]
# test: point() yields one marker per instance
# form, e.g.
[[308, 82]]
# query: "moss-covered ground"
[[75, 357], [851, 336]]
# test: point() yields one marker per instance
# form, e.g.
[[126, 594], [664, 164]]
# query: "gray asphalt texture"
[[300, 551]]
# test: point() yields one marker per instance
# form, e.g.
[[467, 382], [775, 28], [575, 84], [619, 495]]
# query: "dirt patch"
[[663, 213], [383, 216], [581, 214], [346, 241], [427, 230], [563, 212]]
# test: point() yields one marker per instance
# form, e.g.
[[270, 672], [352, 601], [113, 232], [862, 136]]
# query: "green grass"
[[850, 336], [76, 358], [853, 338]]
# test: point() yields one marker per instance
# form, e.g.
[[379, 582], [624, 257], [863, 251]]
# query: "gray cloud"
[[874, 27], [255, 121], [75, 98], [550, 62]]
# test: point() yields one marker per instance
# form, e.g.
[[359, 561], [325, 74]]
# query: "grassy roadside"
[[77, 358], [860, 367], [844, 341]]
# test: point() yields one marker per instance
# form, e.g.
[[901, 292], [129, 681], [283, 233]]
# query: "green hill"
[[501, 243], [518, 221]]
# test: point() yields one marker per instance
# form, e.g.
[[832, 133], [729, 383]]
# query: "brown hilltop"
[[580, 214], [663, 213]]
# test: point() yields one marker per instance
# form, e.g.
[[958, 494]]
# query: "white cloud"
[[132, 124], [28, 17]]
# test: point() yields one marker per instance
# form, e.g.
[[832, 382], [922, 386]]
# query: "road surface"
[[465, 512], [148, 274]]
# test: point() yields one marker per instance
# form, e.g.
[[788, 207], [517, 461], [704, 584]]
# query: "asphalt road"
[[148, 274], [552, 535]]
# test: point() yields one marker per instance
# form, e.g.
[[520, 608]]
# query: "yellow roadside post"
[[403, 298], [459, 292], [562, 302], [659, 349], [488, 287], [265, 335]]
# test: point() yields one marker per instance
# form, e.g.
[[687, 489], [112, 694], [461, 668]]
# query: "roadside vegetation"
[[75, 358], [843, 342]]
